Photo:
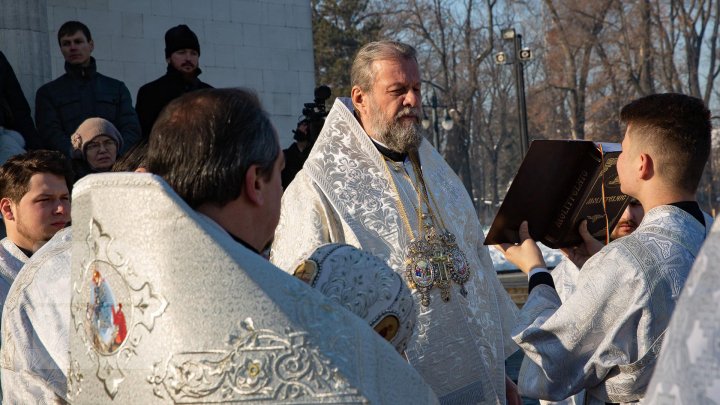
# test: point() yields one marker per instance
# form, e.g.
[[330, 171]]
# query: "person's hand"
[[581, 253], [525, 255], [512, 395]]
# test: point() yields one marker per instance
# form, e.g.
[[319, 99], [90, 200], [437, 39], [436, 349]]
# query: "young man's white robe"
[[606, 336], [11, 261], [344, 194], [35, 325]]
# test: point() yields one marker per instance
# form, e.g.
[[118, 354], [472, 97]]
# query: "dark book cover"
[[559, 184]]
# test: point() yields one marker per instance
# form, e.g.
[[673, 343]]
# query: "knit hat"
[[180, 37], [89, 130]]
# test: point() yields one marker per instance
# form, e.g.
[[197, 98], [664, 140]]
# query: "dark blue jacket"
[[64, 103]]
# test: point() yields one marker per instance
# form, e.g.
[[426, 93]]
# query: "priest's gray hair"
[[362, 73]]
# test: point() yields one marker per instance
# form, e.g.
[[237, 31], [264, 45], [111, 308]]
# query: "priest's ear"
[[359, 100], [255, 183]]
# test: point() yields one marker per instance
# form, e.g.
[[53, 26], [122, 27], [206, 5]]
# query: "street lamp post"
[[519, 56], [447, 122]]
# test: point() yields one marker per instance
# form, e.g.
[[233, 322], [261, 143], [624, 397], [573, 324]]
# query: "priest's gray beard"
[[393, 133]]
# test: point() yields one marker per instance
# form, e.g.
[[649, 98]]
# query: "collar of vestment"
[[692, 208], [242, 242], [677, 224], [26, 252], [12, 258], [81, 72], [389, 153]]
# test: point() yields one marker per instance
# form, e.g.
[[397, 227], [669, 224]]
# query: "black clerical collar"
[[242, 242], [390, 154], [692, 208], [28, 253]]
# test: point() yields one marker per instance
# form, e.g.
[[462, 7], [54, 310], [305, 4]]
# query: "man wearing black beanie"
[[182, 53]]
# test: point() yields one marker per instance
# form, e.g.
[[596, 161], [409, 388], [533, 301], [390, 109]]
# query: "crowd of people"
[[70, 110], [368, 271]]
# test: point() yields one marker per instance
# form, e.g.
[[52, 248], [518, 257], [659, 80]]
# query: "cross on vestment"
[[443, 264]]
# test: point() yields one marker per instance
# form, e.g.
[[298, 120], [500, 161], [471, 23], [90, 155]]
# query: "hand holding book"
[[526, 254], [580, 253]]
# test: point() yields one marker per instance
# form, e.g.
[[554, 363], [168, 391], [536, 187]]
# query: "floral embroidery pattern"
[[261, 365]]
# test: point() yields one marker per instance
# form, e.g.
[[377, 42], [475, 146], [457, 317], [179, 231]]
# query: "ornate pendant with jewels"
[[420, 270], [436, 261]]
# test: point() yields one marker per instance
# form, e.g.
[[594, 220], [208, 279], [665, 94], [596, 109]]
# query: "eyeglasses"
[[93, 146]]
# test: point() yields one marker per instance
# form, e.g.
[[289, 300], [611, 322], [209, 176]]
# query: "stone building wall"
[[265, 45]]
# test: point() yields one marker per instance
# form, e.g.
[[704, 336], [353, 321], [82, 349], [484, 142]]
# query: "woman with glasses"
[[95, 146]]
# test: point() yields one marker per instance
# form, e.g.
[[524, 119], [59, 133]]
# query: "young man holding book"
[[565, 276], [606, 336]]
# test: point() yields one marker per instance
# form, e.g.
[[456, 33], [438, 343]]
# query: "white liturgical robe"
[[688, 370], [173, 310], [35, 322], [345, 194], [606, 336], [11, 261]]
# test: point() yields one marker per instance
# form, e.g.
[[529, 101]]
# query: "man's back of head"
[[35, 196], [675, 130], [216, 147]]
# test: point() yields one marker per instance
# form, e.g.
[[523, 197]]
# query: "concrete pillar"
[[25, 42]]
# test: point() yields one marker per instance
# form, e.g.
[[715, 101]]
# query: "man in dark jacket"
[[14, 108], [182, 53], [64, 103]]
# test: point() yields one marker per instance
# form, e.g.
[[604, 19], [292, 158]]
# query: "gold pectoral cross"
[[443, 264]]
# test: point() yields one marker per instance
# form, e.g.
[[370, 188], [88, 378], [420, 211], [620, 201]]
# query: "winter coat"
[[14, 108], [154, 96], [64, 103]]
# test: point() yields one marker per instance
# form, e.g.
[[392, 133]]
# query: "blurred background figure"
[[307, 131], [17, 130]]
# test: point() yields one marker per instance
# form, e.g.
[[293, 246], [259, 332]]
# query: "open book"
[[559, 184]]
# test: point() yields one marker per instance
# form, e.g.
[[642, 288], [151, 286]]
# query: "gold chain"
[[401, 207], [434, 213]]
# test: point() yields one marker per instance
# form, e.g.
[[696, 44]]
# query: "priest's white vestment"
[[173, 310], [345, 193]]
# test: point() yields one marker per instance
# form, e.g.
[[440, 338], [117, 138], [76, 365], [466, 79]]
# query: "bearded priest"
[[372, 181]]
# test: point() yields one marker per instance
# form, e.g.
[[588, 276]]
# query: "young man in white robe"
[[35, 204], [606, 336], [373, 182], [566, 273]]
